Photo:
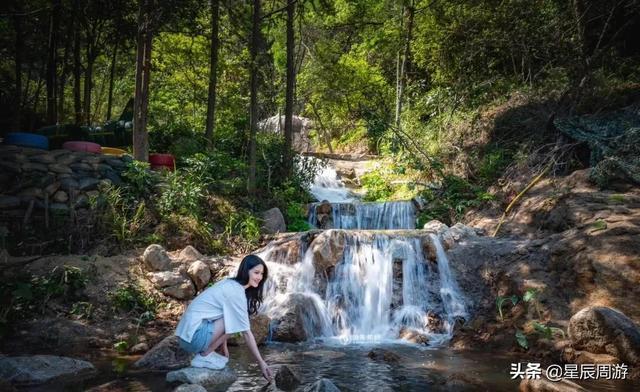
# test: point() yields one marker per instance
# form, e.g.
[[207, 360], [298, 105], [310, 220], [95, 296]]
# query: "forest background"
[[458, 95]]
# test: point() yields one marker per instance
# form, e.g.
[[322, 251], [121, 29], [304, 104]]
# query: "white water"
[[391, 215], [327, 186], [356, 305]]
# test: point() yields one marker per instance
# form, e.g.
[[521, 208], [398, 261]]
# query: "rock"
[[429, 249], [30, 166], [460, 231], [58, 152], [113, 177], [59, 208], [328, 248], [292, 326], [39, 369], [207, 378], [273, 221], [190, 388], [60, 169], [9, 202], [182, 291], [322, 385], [413, 336], [60, 197], [69, 184], [92, 159], [166, 355], [13, 167], [155, 258], [88, 183], [286, 379], [164, 279], [189, 254], [584, 357], [43, 158], [139, 348], [378, 354], [464, 382], [200, 274], [259, 328], [116, 163], [435, 226], [602, 330], [543, 384], [76, 167], [66, 159], [52, 188], [32, 193]]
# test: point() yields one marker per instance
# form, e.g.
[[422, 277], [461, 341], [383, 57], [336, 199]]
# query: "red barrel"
[[82, 146], [162, 161]]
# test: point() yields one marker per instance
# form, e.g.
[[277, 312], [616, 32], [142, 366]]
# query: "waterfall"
[[390, 215], [327, 186], [381, 285]]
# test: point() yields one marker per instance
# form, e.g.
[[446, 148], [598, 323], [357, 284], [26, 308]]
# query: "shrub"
[[296, 220], [131, 298]]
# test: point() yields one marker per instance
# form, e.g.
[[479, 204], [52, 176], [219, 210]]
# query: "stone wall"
[[39, 188]]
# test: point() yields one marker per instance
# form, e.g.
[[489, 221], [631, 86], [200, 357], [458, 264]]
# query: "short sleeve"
[[234, 309]]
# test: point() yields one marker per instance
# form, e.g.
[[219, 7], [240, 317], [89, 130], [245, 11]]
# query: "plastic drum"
[[113, 151], [82, 146], [162, 161], [31, 140]]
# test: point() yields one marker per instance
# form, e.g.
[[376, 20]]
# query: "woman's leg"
[[218, 337]]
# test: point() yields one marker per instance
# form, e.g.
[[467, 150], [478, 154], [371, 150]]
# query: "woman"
[[222, 310]]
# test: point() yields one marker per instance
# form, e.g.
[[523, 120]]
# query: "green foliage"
[[122, 216], [296, 220], [376, 186], [599, 224], [181, 194], [522, 340], [139, 180], [133, 299], [500, 301], [121, 347], [451, 200], [245, 226]]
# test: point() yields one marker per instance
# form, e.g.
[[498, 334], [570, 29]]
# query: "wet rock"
[[199, 273], [322, 385], [273, 221], [328, 248], [413, 336], [378, 354], [292, 326], [166, 355], [286, 379], [429, 249], [602, 330], [39, 369], [207, 378], [190, 388], [434, 322], [155, 258]]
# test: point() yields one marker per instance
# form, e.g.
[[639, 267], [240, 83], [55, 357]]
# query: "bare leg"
[[218, 337]]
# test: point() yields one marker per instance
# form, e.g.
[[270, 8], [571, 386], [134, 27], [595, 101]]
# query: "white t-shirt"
[[224, 299]]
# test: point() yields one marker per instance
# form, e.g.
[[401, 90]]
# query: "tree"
[[215, 43], [54, 20], [253, 106], [291, 78], [409, 10], [143, 73]]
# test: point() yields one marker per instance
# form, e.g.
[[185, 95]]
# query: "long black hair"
[[254, 294]]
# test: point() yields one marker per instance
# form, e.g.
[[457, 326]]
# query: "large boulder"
[[328, 249], [259, 328], [189, 254], [301, 320], [286, 379], [155, 258], [174, 283], [543, 384], [40, 369], [190, 388], [208, 378], [199, 273], [273, 221], [166, 355], [602, 330]]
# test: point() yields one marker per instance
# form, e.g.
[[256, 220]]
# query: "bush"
[[131, 298], [296, 220]]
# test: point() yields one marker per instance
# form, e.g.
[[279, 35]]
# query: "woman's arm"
[[253, 347]]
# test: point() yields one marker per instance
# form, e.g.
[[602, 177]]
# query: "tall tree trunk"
[[88, 82], [52, 62], [291, 77], [409, 10], [17, 24], [111, 77], [213, 69], [77, 67], [64, 75], [253, 110], [143, 69]]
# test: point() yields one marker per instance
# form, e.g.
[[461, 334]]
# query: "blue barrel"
[[27, 140]]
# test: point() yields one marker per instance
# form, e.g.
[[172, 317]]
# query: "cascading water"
[[327, 186], [390, 215], [381, 286]]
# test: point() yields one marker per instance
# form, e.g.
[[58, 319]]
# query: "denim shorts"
[[201, 338]]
